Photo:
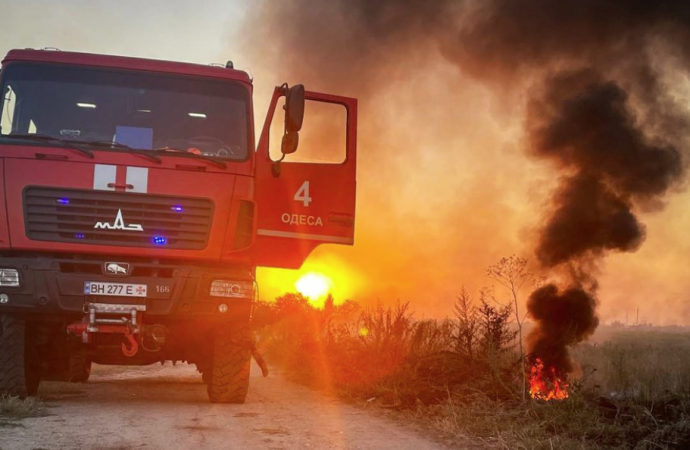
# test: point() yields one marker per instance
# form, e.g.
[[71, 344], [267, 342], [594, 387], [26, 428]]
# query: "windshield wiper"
[[174, 152], [66, 143], [113, 144]]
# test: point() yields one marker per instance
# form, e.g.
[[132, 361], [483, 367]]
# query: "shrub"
[[13, 407], [463, 375], [384, 352]]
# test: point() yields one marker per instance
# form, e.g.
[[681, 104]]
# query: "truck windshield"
[[141, 110]]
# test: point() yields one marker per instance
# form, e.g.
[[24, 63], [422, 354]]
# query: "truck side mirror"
[[294, 118], [294, 108], [289, 143]]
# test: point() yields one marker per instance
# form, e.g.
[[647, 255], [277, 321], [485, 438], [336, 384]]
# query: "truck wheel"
[[19, 368], [204, 368], [79, 368], [229, 375]]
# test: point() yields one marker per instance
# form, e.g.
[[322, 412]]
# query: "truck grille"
[[116, 218]]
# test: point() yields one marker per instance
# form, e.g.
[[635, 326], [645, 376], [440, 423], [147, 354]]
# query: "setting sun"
[[314, 285]]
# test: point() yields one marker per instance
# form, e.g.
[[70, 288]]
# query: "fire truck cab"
[[136, 207]]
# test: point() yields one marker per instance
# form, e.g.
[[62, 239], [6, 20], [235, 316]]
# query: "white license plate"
[[114, 289]]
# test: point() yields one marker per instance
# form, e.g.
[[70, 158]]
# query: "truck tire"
[[79, 368], [19, 368], [229, 375], [204, 368]]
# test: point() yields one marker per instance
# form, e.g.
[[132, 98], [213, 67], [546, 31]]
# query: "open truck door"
[[303, 204]]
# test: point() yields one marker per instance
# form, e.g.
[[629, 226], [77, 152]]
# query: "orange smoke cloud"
[[444, 186]]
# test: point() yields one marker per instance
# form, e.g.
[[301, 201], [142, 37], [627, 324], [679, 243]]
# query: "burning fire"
[[545, 384]]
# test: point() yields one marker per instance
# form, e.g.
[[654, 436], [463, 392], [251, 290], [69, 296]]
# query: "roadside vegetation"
[[462, 376], [13, 409]]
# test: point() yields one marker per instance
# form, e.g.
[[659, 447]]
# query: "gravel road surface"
[[165, 407]]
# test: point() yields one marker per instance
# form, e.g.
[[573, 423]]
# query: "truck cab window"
[[143, 110]]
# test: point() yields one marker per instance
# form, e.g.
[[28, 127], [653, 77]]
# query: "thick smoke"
[[595, 78], [598, 109], [565, 318], [585, 127]]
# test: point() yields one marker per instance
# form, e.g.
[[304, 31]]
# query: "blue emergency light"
[[159, 240]]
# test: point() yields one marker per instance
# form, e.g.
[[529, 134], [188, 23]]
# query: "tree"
[[467, 324], [494, 327], [512, 273], [495, 334]]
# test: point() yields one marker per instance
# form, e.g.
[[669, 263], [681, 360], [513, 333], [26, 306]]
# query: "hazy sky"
[[163, 29], [471, 198]]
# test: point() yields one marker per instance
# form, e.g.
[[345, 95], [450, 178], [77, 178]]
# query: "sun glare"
[[313, 285]]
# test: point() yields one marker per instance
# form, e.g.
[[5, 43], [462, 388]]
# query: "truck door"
[[303, 204]]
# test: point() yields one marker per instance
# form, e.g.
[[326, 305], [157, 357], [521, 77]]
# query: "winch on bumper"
[[118, 319]]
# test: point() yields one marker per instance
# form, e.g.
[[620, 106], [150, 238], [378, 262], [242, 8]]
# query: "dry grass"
[[645, 364], [633, 392], [13, 408], [379, 352]]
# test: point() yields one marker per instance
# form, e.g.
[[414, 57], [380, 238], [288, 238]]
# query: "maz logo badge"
[[119, 224], [116, 269]]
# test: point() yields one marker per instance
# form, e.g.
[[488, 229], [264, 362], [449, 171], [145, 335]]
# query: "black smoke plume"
[[599, 110], [585, 126], [565, 318], [597, 78]]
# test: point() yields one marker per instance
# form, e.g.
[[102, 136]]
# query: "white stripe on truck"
[[103, 175], [138, 177], [311, 237]]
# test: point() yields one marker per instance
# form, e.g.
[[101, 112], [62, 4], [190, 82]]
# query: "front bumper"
[[55, 286]]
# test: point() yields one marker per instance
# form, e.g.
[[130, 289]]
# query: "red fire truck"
[[136, 208]]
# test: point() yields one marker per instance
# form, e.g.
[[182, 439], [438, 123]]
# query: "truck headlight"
[[9, 277], [236, 289]]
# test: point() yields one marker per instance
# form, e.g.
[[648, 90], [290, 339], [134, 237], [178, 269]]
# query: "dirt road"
[[165, 407]]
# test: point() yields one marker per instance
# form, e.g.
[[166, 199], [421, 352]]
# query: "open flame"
[[545, 384]]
